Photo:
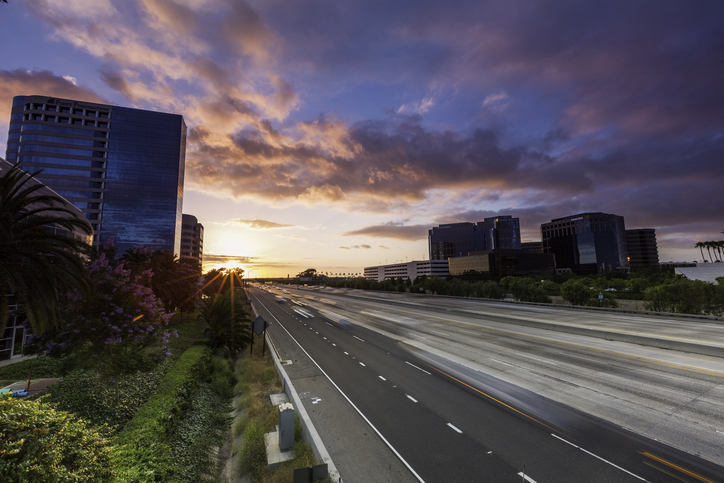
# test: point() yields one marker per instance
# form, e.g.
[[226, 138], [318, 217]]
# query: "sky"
[[333, 134]]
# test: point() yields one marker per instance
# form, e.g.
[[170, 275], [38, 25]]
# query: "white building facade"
[[408, 270]]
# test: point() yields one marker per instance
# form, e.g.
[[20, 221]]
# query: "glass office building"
[[123, 168], [459, 239], [587, 243]]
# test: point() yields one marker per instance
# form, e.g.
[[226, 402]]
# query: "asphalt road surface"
[[417, 380]]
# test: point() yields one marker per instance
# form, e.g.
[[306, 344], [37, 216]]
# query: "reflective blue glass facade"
[[459, 239], [587, 243], [124, 168]]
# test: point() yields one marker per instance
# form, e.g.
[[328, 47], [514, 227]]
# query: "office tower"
[[192, 239], [587, 243], [642, 248], [458, 239], [123, 168]]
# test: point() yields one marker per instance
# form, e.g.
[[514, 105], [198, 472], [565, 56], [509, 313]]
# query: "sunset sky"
[[334, 134]]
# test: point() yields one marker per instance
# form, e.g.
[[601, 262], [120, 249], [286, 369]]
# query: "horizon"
[[334, 137]]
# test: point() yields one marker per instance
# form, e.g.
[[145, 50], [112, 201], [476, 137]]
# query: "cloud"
[[394, 230], [419, 108], [357, 247], [257, 224]]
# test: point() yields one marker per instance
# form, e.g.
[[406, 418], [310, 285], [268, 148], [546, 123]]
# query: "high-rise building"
[[587, 243], [192, 239], [458, 239], [642, 248], [123, 168]]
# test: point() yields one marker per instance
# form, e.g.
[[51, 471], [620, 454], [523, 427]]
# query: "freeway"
[[447, 419]]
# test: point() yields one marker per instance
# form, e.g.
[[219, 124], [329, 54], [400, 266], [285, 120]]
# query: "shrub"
[[144, 440], [41, 444], [41, 366]]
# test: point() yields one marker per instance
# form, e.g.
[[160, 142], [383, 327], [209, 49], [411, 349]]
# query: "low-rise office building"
[[407, 270], [192, 239], [458, 239], [496, 264]]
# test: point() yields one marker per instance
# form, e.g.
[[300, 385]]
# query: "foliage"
[[227, 323], [94, 398], [112, 325], [253, 452], [576, 292], [41, 444], [144, 440], [174, 281], [37, 265], [525, 289], [308, 273], [203, 426], [686, 297]]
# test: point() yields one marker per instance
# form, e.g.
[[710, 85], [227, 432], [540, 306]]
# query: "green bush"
[[41, 444], [144, 440], [253, 452]]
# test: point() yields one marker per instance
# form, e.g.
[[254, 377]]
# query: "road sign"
[[259, 325]]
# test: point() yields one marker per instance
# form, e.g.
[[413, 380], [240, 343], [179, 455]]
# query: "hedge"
[[144, 441]]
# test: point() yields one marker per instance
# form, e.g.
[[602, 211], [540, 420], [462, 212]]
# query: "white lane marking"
[[358, 338], [468, 332], [536, 359], [362, 364], [419, 369], [315, 400], [346, 353], [399, 456], [323, 337], [596, 456], [411, 398], [526, 477], [578, 357], [334, 345], [382, 378], [421, 337], [436, 332], [501, 362], [456, 429], [329, 324]]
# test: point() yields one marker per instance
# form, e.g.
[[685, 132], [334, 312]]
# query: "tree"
[[111, 326], [227, 325], [700, 246], [575, 292], [308, 273], [37, 265]]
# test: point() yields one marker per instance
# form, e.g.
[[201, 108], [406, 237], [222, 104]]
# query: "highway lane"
[[670, 396], [423, 410]]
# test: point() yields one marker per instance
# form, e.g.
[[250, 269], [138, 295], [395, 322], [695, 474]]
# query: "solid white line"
[[329, 324], [382, 378], [423, 370], [358, 338], [436, 332], [349, 400], [411, 398], [362, 364], [421, 337], [526, 477], [596, 456], [456, 429]]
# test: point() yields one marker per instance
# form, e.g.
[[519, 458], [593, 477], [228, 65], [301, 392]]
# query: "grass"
[[257, 380]]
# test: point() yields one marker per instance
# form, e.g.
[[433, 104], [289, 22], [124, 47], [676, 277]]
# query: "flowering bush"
[[113, 323]]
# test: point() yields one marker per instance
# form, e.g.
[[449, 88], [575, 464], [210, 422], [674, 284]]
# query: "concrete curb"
[[310, 433]]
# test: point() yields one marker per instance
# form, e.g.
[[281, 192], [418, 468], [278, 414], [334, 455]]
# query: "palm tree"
[[700, 246], [707, 245], [37, 265], [227, 329]]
